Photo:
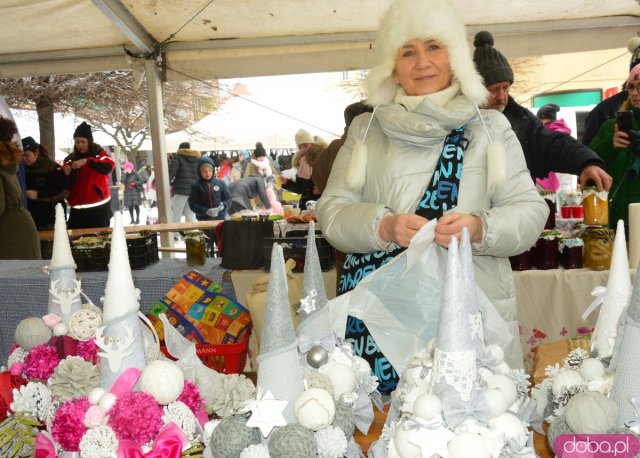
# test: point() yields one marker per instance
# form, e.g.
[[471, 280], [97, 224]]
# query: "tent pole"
[[161, 166]]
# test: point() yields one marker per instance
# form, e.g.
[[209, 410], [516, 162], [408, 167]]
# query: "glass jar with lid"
[[595, 206], [196, 244], [598, 246]]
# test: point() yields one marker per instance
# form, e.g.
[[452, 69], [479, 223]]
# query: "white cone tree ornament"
[[616, 298], [120, 337], [64, 286], [279, 371]]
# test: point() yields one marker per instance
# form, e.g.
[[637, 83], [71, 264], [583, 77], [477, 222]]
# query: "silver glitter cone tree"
[[454, 368], [471, 298], [616, 299], [120, 337], [626, 385], [64, 287], [314, 315], [279, 369]]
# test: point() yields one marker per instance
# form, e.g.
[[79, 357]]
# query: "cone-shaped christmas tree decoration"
[[471, 299], [279, 368], [626, 385], [314, 318], [454, 369], [616, 299], [120, 337], [64, 287]]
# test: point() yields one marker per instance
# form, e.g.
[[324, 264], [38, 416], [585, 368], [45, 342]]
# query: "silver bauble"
[[317, 356]]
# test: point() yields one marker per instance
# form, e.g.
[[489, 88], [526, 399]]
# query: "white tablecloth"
[[551, 302]]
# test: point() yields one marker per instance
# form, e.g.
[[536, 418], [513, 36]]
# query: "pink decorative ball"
[[190, 396], [68, 423], [136, 416]]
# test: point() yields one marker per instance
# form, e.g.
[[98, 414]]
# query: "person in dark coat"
[[88, 175], [183, 172], [133, 187], [245, 189], [544, 151], [45, 184], [608, 107], [18, 233], [209, 197], [324, 161]]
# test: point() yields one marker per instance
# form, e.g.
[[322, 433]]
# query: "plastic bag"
[[400, 302], [184, 352]]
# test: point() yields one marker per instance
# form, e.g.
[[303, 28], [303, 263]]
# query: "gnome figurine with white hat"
[[120, 337], [314, 329], [616, 298], [64, 290], [279, 371]]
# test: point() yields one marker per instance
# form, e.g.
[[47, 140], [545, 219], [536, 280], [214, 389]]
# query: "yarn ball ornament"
[[191, 397], [232, 436], [292, 441], [314, 409], [40, 363], [68, 424], [344, 418], [255, 451], [331, 442], [136, 416], [557, 427], [591, 412], [88, 350], [317, 380], [31, 332], [162, 379]]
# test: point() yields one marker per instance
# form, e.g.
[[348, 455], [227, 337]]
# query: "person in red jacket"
[[88, 170]]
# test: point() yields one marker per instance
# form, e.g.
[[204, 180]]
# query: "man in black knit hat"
[[544, 151]]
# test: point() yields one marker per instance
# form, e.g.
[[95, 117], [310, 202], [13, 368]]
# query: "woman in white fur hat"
[[427, 151]]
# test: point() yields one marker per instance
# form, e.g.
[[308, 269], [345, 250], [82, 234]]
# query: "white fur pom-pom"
[[357, 167], [633, 44], [496, 165]]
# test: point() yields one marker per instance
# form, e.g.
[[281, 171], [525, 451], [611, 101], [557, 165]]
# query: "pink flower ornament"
[[51, 320]]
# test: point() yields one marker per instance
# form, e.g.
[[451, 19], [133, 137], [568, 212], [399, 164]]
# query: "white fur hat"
[[407, 20]]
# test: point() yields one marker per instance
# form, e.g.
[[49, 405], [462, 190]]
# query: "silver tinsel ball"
[[317, 356]]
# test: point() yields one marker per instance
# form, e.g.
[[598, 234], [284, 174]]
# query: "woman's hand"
[[451, 225], [620, 139], [401, 228], [78, 164]]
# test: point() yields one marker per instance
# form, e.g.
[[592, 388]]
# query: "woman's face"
[[304, 148], [422, 67], [633, 87], [82, 144], [29, 157]]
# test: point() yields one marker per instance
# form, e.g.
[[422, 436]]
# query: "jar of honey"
[[595, 206], [571, 252], [196, 245], [598, 246]]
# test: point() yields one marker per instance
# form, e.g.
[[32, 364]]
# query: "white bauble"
[[427, 406], [496, 351], [496, 401], [592, 369], [315, 409], [342, 377], [484, 373], [464, 445], [96, 394], [505, 385], [402, 445], [360, 365], [565, 378], [503, 368], [31, 332], [512, 427], [163, 380], [107, 401], [61, 329]]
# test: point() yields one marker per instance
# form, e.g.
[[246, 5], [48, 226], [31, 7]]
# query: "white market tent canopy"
[[209, 39], [237, 38]]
